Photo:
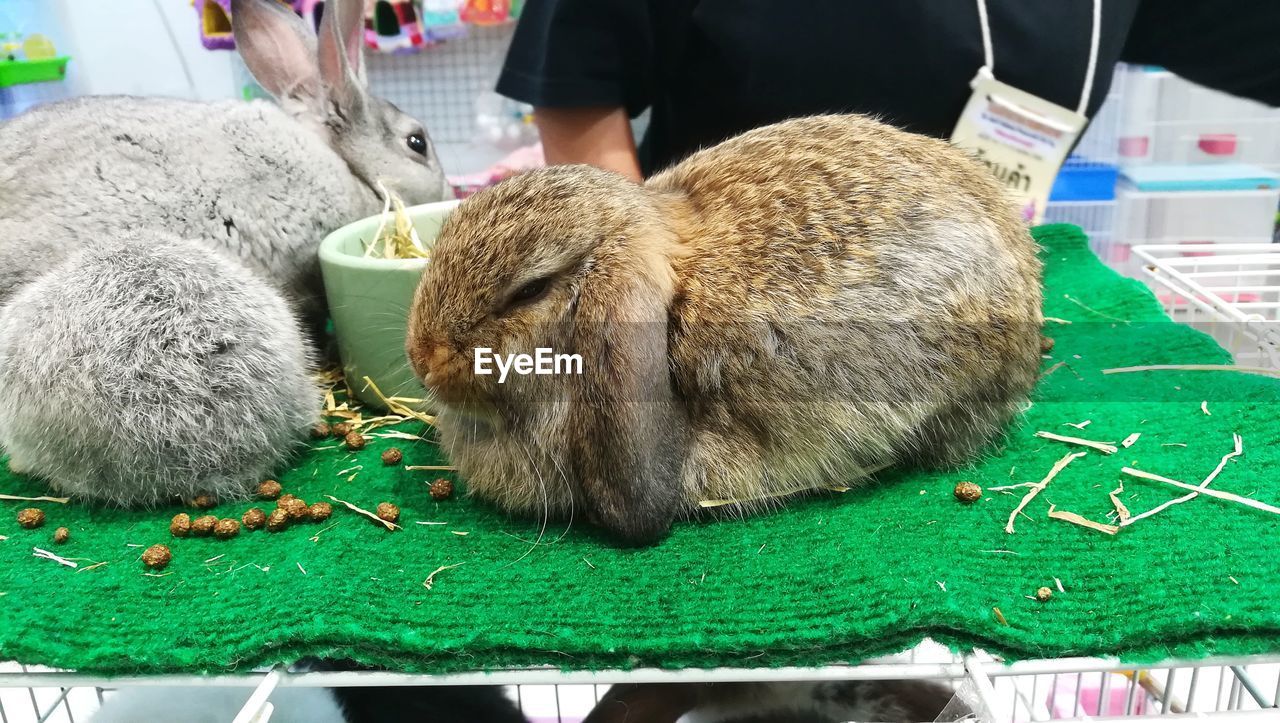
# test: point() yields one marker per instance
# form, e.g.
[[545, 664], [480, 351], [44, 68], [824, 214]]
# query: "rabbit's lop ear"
[[629, 429], [341, 54], [280, 50]]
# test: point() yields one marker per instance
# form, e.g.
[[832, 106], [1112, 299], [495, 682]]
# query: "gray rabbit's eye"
[[417, 142]]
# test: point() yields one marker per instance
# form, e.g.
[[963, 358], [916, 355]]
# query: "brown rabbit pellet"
[[441, 489], [388, 512], [1044, 594], [61, 535], [320, 511], [354, 441], [180, 525], [203, 526], [277, 520], [968, 492], [392, 456], [341, 429], [203, 502], [31, 518], [320, 431], [254, 519], [269, 490], [157, 557], [226, 529], [1046, 344], [295, 508]]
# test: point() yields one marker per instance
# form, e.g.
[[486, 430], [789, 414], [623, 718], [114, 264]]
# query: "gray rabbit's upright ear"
[[629, 436], [280, 51], [341, 53]]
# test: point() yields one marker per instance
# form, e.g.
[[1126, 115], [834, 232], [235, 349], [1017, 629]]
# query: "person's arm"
[[597, 136], [586, 66], [1229, 46]]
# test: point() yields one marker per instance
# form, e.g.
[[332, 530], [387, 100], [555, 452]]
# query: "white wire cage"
[[1230, 291], [1237, 689]]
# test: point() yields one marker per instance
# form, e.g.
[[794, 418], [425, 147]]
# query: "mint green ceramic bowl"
[[369, 301]]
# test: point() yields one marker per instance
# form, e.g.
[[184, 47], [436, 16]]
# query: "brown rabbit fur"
[[791, 309]]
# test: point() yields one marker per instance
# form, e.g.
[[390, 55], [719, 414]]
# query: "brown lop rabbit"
[[792, 309]]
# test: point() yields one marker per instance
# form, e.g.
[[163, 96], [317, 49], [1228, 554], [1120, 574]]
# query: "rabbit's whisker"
[[546, 507]]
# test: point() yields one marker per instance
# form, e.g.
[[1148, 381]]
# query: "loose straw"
[[1100, 446], [1202, 490], [386, 523], [1195, 368], [398, 407], [1035, 489], [59, 500], [1082, 521], [1239, 450]]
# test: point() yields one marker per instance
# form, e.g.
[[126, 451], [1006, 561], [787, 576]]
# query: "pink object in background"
[[1063, 698], [521, 159], [1218, 144], [1207, 252], [1134, 146], [486, 12], [1119, 253]]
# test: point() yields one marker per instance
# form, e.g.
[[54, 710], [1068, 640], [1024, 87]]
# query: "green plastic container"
[[19, 72], [369, 301]]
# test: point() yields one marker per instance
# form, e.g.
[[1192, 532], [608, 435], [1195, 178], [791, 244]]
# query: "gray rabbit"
[[264, 181], [147, 368], [154, 253]]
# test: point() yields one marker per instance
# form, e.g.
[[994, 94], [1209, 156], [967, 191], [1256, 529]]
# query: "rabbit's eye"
[[529, 292], [417, 142]]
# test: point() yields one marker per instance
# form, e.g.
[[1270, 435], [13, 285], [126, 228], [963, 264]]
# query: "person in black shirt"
[[710, 69]]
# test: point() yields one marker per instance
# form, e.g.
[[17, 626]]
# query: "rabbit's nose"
[[435, 362]]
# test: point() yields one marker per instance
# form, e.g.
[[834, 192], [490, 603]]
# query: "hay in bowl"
[[371, 269]]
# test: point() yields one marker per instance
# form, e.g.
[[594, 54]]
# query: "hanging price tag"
[[1022, 138]]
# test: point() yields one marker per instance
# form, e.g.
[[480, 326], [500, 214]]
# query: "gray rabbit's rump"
[[135, 372]]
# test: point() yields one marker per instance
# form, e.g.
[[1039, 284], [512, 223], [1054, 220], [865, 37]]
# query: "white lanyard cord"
[[989, 60]]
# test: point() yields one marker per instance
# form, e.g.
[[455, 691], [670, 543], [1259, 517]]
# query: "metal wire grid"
[[1183, 113], [440, 84], [1231, 689], [1231, 291]]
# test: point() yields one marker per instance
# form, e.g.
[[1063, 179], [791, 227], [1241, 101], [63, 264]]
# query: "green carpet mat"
[[827, 579]]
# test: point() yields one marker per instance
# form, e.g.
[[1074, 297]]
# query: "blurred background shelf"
[[22, 72]]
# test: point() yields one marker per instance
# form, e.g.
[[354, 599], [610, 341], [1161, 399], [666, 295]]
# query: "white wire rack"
[[1238, 689], [1231, 291]]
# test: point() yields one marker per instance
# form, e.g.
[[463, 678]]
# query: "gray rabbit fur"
[[263, 181], [156, 254], [148, 368]]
